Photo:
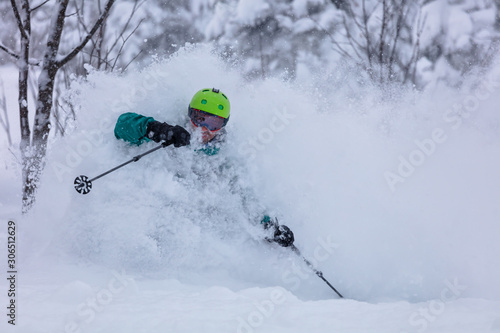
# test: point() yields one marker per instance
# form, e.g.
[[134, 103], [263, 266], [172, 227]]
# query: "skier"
[[209, 112]]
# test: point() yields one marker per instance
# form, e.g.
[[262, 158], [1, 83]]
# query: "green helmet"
[[212, 101]]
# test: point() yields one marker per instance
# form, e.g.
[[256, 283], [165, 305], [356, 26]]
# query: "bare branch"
[[367, 34], [96, 52], [16, 56], [19, 21], [399, 26], [382, 32], [125, 41], [40, 5], [135, 57], [339, 48], [69, 15], [9, 52], [96, 26], [416, 52], [355, 46], [132, 13], [80, 18]]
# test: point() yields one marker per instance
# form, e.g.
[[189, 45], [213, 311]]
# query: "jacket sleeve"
[[132, 127]]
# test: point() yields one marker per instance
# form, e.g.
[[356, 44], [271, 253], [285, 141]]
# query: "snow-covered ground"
[[396, 200]]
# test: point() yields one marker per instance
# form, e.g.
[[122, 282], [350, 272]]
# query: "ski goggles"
[[204, 119]]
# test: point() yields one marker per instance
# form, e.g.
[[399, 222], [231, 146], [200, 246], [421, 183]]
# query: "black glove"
[[175, 135], [282, 234]]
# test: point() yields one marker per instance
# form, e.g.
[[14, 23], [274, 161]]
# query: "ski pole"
[[83, 184], [276, 224], [318, 273]]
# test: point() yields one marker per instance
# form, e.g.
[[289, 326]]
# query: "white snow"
[[300, 7], [215, 26], [163, 245], [303, 25], [250, 11]]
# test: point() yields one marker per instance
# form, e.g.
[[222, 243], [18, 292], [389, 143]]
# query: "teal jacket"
[[132, 127]]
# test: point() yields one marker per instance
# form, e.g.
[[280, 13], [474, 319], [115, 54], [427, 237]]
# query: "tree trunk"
[[41, 129], [24, 20], [34, 159], [41, 126]]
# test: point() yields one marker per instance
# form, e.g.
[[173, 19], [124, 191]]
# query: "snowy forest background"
[[387, 41], [415, 44]]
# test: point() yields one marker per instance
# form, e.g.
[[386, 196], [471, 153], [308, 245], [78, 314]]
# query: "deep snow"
[[395, 199]]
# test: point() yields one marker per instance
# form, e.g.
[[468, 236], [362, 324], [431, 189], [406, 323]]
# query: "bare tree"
[[34, 145], [105, 51], [379, 38]]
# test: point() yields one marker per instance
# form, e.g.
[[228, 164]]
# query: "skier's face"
[[206, 134]]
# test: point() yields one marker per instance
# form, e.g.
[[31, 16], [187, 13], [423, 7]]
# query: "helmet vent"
[[215, 90]]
